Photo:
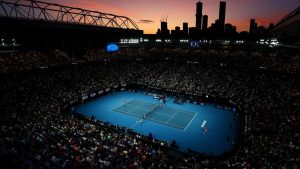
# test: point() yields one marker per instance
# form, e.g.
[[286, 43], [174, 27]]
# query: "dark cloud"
[[146, 21]]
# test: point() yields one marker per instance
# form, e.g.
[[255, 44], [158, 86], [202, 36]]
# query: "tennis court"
[[183, 123], [178, 119]]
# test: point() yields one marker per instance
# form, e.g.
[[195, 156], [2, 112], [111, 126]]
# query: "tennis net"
[[151, 111]]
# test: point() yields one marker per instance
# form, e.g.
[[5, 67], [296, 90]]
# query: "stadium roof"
[[39, 10], [291, 18]]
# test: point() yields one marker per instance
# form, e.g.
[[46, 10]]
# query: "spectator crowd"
[[35, 133]]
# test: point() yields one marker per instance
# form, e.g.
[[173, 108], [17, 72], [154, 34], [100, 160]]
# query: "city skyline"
[[147, 14]]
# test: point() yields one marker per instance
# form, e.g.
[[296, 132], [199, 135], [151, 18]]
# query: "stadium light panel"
[[112, 47]]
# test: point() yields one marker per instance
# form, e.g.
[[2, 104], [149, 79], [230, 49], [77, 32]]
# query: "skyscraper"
[[222, 13], [252, 26], [164, 29], [199, 15], [185, 29], [205, 22]]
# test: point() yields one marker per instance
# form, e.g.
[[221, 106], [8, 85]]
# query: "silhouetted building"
[[261, 32], [222, 13], [185, 30], [205, 22], [176, 33], [271, 26], [199, 15], [163, 26], [213, 25], [253, 26], [230, 29], [216, 26], [177, 30], [193, 32], [158, 32], [173, 33], [165, 32]]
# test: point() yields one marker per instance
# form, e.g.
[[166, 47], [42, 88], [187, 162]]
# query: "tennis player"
[[160, 103], [125, 102], [141, 120]]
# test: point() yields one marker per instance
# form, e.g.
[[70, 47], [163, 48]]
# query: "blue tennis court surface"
[[178, 119], [179, 122]]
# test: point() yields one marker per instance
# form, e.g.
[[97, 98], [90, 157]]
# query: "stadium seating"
[[35, 133]]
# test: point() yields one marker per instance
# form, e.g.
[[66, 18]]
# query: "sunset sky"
[[238, 12]]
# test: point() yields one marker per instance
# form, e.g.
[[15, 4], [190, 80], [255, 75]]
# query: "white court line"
[[128, 112], [163, 114], [134, 125], [182, 111], [172, 116], [166, 124], [190, 121], [134, 108], [171, 125], [122, 104], [186, 112]]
